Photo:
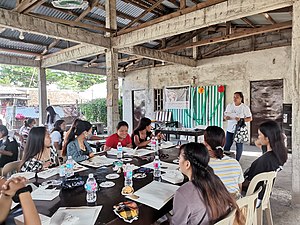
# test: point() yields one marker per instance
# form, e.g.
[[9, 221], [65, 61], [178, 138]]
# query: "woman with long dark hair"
[[226, 168], [204, 199], [77, 146], [38, 153], [236, 112], [121, 136], [57, 134], [270, 135], [52, 117]]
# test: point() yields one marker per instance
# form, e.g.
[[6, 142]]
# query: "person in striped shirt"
[[226, 168]]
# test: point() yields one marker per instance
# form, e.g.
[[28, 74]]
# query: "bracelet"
[[16, 198]]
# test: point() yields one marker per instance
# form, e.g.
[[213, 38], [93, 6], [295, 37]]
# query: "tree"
[[28, 77], [96, 110]]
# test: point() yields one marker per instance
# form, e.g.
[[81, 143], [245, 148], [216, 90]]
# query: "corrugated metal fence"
[[206, 108]]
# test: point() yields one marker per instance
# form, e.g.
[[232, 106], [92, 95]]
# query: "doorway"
[[266, 103], [138, 106]]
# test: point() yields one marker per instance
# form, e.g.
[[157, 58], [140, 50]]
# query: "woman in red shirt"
[[121, 136]]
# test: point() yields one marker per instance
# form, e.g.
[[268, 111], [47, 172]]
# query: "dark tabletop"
[[108, 197]]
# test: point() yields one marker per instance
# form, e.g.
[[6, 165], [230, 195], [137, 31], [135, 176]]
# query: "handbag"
[[241, 132]]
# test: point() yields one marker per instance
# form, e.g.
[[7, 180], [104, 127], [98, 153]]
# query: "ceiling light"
[[70, 4], [21, 36]]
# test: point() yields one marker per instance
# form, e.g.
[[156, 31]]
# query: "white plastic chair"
[[268, 180], [247, 205], [10, 168], [228, 220]]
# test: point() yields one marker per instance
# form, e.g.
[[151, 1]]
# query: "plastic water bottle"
[[156, 166], [95, 132], [153, 143], [62, 171], [69, 167], [128, 175], [119, 151], [156, 144], [91, 189]]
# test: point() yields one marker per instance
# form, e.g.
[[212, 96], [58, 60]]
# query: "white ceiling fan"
[[70, 4]]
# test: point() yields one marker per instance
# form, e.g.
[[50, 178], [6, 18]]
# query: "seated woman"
[[120, 136], [15, 188], [270, 135], [226, 168], [38, 153], [8, 147], [77, 146], [139, 138], [204, 199], [146, 122], [24, 131], [57, 134]]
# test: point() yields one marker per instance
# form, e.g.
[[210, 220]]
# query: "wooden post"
[[295, 84], [111, 55], [42, 85]]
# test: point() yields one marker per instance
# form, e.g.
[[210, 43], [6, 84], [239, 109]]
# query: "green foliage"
[[96, 110], [28, 77]]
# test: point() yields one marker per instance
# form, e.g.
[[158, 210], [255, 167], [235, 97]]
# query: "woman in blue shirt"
[[77, 146]]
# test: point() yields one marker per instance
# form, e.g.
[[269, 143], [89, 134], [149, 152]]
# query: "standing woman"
[[52, 117], [57, 134], [235, 112], [226, 168], [270, 135], [38, 154], [77, 146], [204, 199]]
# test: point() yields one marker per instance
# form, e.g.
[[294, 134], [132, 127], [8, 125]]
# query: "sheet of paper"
[[48, 173], [79, 168], [164, 166], [143, 151], [98, 161], [45, 220], [27, 175], [167, 144], [76, 215], [43, 194], [173, 176], [156, 194]]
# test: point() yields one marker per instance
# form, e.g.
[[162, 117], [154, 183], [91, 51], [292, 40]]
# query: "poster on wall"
[[139, 106], [177, 97]]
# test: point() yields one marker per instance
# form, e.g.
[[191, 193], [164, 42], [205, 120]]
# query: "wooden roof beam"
[[22, 6], [92, 4], [32, 7], [159, 55], [269, 18], [234, 36], [17, 51], [195, 17], [71, 54], [143, 14], [52, 45], [42, 27], [182, 4], [247, 21]]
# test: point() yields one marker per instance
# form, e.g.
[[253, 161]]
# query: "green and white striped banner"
[[206, 107]]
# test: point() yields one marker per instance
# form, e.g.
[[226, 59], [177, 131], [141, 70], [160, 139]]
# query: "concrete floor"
[[282, 210]]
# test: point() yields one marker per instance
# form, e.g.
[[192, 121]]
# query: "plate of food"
[[127, 159], [107, 184], [112, 176], [128, 211], [127, 190], [139, 175]]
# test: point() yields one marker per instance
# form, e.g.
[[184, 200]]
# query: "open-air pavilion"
[[159, 43]]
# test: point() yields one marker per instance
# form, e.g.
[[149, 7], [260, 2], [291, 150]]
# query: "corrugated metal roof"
[[5, 43], [17, 55], [7, 4]]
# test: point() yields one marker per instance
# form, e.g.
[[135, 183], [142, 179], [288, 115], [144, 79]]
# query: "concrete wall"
[[234, 71]]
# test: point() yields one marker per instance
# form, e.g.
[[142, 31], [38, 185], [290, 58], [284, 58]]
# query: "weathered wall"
[[234, 71]]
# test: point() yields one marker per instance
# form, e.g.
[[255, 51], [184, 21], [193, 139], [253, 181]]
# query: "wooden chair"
[[228, 220], [247, 205], [10, 168], [264, 204]]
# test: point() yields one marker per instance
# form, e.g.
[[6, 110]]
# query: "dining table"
[[108, 197]]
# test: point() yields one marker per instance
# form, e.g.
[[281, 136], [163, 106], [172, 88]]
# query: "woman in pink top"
[[121, 136]]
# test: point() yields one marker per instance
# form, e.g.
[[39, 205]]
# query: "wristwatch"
[[20, 191]]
